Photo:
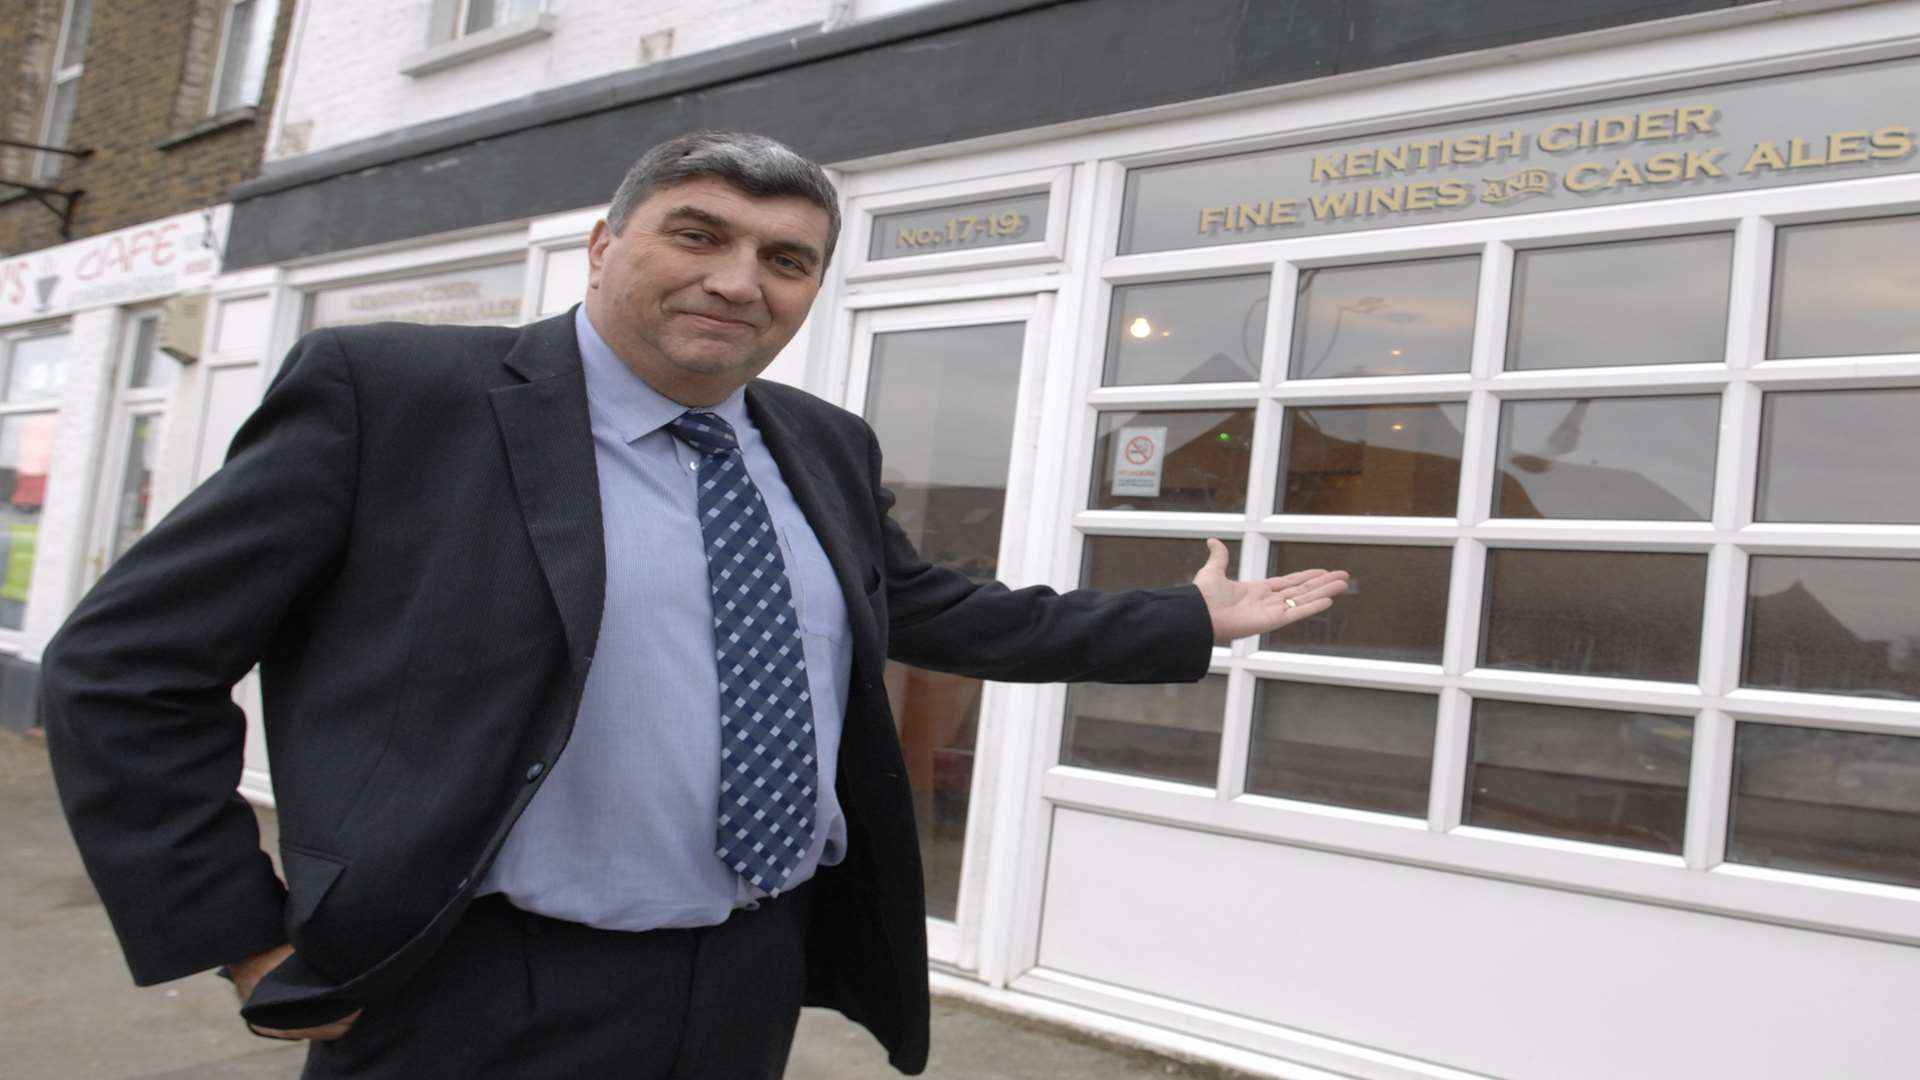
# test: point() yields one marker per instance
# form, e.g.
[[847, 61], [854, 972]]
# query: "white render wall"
[[345, 82]]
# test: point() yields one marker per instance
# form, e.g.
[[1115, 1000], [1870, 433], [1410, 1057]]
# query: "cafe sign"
[[1793, 129], [126, 266]]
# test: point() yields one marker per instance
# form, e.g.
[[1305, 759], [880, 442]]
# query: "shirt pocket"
[[823, 611]]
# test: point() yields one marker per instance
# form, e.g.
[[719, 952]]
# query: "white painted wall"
[[344, 81], [1466, 972]]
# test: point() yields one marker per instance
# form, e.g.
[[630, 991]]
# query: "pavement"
[[69, 1011]]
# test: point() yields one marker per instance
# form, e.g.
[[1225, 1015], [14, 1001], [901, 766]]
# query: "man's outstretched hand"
[[1244, 608]]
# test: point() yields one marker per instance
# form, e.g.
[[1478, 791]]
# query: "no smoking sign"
[[1136, 468]]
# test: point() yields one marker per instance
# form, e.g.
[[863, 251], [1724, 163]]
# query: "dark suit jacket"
[[406, 538]]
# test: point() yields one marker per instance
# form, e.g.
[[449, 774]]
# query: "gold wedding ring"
[[1290, 604]]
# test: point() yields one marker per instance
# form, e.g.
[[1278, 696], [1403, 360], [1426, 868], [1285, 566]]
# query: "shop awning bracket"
[[47, 196]]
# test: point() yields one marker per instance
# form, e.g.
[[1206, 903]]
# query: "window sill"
[[220, 121], [474, 46]]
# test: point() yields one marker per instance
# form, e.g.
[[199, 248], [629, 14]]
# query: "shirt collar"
[[627, 403]]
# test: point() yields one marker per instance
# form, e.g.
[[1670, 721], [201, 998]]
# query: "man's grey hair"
[[755, 164]]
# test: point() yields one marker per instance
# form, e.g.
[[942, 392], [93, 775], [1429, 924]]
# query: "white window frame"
[[464, 9], [128, 403], [1050, 246], [1698, 878], [450, 44], [12, 641], [268, 11], [48, 167]]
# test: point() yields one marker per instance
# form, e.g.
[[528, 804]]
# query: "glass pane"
[[1840, 455], [26, 453], [1187, 331], [942, 403], [1367, 749], [1569, 303], [136, 483], [1168, 730], [149, 369], [1173, 460], [1606, 777], [984, 223], [1401, 460], [59, 129], [1395, 606], [1844, 803], [1850, 288], [1840, 626], [79, 20], [1634, 459], [480, 15], [1115, 563], [235, 53], [1630, 614], [37, 369], [1413, 318]]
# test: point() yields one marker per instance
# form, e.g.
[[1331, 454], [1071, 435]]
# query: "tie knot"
[[704, 431]]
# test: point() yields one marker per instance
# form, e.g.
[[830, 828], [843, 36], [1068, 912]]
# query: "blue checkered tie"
[[767, 768]]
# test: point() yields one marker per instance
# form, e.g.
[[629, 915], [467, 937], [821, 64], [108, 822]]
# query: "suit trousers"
[[526, 997]]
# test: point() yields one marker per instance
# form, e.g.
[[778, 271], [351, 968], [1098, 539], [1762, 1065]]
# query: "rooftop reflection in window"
[[1410, 318], [1633, 459], [1834, 625]]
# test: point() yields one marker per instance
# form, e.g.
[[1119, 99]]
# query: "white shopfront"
[[98, 339], [1599, 369]]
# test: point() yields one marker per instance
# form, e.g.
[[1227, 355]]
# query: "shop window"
[[1166, 731], [1342, 746], [1411, 318], [1843, 803], [1624, 303], [1626, 614], [1596, 775], [1840, 456], [1114, 563], [1634, 459], [1399, 460], [1395, 607], [1206, 331], [1190, 460], [35, 375], [1833, 625], [1846, 289]]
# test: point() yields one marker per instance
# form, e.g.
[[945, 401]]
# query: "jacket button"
[[534, 770]]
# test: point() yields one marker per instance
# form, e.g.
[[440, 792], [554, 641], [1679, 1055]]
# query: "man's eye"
[[790, 265], [695, 236]]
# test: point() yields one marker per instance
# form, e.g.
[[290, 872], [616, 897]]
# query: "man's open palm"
[[1244, 608]]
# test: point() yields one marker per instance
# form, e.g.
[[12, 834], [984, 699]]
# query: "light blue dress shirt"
[[622, 834]]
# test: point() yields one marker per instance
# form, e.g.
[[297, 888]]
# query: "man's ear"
[[597, 251]]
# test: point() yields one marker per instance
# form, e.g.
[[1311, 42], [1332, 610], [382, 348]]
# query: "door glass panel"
[[1169, 731], [942, 402], [1826, 802], [1173, 460], [136, 483], [1833, 626], [1342, 746], [1395, 606]]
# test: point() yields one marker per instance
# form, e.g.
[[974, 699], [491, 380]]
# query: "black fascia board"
[[944, 73]]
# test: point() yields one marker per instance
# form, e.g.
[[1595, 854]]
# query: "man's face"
[[705, 284]]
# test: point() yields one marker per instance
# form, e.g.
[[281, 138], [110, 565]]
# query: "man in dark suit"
[[456, 553]]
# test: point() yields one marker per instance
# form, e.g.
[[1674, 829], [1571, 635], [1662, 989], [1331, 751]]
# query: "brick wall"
[[141, 107]]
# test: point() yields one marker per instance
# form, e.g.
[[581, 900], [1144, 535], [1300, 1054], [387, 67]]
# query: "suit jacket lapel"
[[549, 442], [822, 498]]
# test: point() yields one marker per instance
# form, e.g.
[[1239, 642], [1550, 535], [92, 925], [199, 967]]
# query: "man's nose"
[[735, 278]]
